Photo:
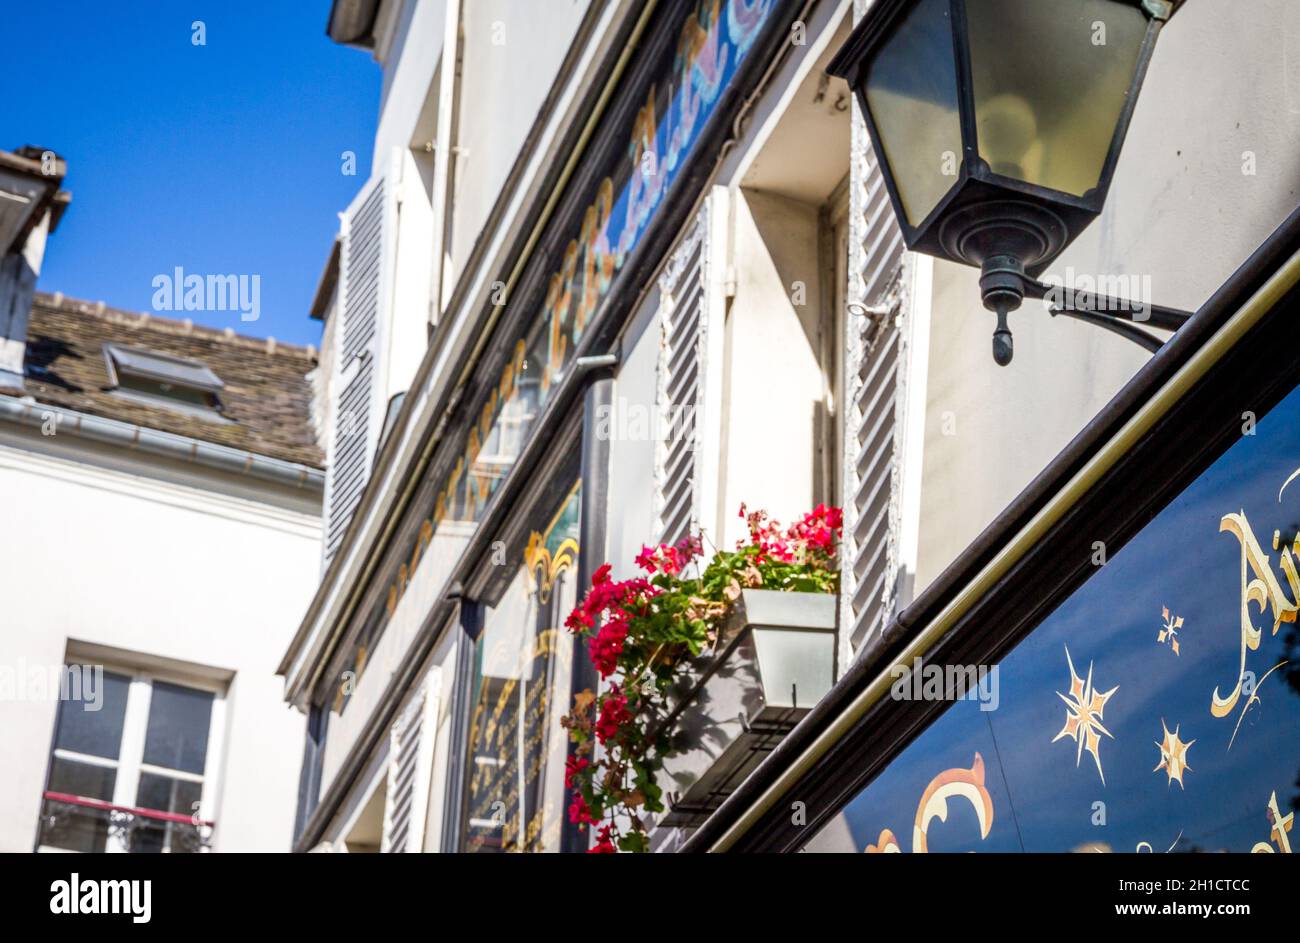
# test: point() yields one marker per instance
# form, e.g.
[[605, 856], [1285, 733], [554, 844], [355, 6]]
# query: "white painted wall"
[[772, 379], [768, 390], [101, 548], [411, 63], [444, 659], [407, 335], [1180, 211], [421, 593], [412, 60], [630, 523], [512, 53]]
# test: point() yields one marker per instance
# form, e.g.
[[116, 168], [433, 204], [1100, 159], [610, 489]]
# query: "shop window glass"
[[522, 687]]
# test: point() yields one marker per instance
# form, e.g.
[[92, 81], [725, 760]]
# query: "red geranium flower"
[[690, 547], [607, 646], [578, 621], [573, 766], [603, 846], [613, 714], [646, 559], [579, 813]]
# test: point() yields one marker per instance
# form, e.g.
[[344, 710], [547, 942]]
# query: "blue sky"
[[222, 159]]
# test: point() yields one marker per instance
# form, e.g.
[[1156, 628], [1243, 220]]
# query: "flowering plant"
[[643, 631]]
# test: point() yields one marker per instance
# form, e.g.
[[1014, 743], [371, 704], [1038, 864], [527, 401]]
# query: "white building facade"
[[623, 267], [160, 489]]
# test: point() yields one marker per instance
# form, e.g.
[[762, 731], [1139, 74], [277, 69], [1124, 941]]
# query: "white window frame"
[[129, 763]]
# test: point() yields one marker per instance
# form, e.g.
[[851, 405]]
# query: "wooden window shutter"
[[364, 274], [410, 769], [692, 307], [873, 356]]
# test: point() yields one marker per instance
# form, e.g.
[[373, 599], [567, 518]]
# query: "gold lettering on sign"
[[544, 567], [546, 643], [1280, 826], [1259, 585], [956, 783], [507, 690], [598, 260]]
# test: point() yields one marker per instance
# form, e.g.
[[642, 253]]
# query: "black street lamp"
[[998, 124]]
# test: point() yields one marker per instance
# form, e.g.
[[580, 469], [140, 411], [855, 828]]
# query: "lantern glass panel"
[[911, 91], [1050, 82]]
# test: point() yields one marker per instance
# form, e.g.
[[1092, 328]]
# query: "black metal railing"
[[77, 823]]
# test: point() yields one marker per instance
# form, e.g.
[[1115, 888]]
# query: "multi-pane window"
[[130, 766]]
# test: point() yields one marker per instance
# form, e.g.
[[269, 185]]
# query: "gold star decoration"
[[1170, 631], [1173, 755], [1083, 715]]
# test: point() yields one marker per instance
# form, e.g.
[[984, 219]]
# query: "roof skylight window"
[[162, 380]]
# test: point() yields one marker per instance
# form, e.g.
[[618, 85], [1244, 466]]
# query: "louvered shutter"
[[873, 344], [691, 299], [364, 276], [410, 769]]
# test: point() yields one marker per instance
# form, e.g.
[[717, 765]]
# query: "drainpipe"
[[56, 420]]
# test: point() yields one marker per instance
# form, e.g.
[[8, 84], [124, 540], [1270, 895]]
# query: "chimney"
[[31, 205]]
